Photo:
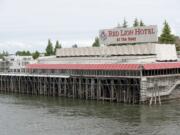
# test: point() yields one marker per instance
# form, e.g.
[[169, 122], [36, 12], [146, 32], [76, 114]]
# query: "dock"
[[114, 89]]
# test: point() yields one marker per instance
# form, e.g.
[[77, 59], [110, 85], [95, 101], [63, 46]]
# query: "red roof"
[[151, 66], [85, 66], [161, 65]]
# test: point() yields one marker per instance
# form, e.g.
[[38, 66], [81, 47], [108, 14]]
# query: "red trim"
[[85, 66], [161, 65], [151, 66]]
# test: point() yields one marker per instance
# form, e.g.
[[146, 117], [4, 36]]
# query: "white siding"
[[107, 50], [165, 52]]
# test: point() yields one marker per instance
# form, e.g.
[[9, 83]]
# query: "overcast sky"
[[28, 24]]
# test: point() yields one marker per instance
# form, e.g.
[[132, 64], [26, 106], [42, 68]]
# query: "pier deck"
[[116, 89]]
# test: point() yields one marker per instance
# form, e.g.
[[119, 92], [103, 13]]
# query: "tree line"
[[50, 50], [35, 54], [136, 23], [166, 37]]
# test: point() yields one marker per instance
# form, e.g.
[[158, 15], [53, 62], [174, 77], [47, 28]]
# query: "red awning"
[[160, 65], [85, 66], [151, 66]]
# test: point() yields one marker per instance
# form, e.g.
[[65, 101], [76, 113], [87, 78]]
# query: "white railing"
[[34, 75]]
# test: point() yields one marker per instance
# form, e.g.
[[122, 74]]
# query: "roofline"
[[147, 66]]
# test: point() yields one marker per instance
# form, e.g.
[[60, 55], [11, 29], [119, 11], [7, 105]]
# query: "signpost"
[[144, 34]]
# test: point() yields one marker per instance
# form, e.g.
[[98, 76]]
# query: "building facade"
[[18, 63]]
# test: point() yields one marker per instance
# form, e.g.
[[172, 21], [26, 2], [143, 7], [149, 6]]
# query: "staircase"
[[167, 91]]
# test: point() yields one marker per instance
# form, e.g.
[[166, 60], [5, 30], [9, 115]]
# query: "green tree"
[[57, 46], [3, 54], [35, 55], [23, 53], [166, 37], [136, 23], [28, 53], [75, 46], [125, 25], [49, 49], [96, 42], [18, 52], [141, 23]]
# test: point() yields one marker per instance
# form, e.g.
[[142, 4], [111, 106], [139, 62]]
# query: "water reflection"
[[52, 115]]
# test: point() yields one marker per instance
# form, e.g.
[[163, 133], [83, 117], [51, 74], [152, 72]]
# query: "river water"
[[32, 115]]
